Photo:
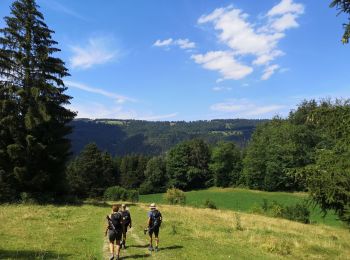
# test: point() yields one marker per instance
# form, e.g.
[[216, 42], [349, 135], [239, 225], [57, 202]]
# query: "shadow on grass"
[[31, 254], [135, 256], [170, 247], [139, 246]]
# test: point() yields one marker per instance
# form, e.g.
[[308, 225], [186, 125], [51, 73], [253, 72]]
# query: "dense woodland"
[[307, 151], [122, 137]]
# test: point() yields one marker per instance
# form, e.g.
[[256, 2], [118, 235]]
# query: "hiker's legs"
[[111, 248], [117, 249], [156, 236], [124, 236]]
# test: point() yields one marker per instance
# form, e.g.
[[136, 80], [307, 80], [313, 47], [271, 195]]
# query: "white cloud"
[[97, 51], [163, 43], [157, 117], [185, 44], [118, 98], [286, 6], [224, 62], [269, 71], [56, 6], [217, 89], [246, 39], [93, 110], [181, 43], [245, 108]]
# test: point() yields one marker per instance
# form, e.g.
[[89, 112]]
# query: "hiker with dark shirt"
[[154, 222], [126, 222], [114, 231]]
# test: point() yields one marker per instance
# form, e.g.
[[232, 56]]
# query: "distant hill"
[[120, 137]]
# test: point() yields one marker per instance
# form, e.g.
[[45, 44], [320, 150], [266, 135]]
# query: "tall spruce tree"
[[33, 119]]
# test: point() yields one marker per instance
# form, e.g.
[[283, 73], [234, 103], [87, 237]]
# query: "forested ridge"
[[121, 137]]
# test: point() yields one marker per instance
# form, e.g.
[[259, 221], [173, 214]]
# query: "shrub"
[[175, 196], [298, 212], [209, 204], [119, 193]]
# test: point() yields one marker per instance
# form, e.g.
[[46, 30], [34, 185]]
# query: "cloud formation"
[[224, 62], [181, 43], [245, 39], [118, 98], [245, 108], [97, 51]]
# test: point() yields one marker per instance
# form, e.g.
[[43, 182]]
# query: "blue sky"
[[197, 59]]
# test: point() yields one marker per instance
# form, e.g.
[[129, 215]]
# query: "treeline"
[[308, 151], [122, 137]]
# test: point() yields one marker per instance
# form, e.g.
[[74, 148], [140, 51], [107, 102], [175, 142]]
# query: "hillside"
[[120, 137], [76, 232]]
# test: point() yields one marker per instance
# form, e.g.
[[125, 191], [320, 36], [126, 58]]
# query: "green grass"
[[245, 201], [76, 232], [51, 232]]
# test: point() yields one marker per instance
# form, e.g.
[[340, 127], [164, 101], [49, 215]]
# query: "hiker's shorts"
[[113, 236], [154, 231]]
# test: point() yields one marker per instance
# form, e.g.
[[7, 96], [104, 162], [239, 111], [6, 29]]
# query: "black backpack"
[[156, 218], [126, 217], [116, 219]]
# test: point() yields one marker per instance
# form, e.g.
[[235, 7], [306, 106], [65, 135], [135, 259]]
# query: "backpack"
[[156, 218], [125, 218], [116, 219]]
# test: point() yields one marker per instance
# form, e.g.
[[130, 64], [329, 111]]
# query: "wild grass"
[[76, 232]]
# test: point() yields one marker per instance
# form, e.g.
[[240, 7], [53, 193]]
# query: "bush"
[[209, 204], [119, 193], [175, 196], [298, 212]]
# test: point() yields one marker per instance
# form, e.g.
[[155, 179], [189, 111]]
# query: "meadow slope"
[[76, 232], [244, 200]]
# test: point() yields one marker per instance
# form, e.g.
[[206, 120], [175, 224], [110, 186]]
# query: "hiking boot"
[[156, 249], [150, 248], [112, 257]]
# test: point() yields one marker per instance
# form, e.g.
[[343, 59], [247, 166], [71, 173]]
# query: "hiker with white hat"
[[154, 222]]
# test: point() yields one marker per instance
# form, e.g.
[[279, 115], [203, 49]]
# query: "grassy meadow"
[[76, 232], [244, 200]]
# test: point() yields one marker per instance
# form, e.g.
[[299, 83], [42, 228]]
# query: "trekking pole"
[[110, 223]]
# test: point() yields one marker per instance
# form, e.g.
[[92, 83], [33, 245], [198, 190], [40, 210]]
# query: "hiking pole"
[[110, 223]]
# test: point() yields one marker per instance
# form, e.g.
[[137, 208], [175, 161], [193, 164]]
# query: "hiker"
[[154, 222], [126, 222], [114, 231]]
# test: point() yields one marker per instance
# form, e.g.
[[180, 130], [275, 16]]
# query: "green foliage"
[[226, 164], [155, 175], [187, 165], [33, 118], [297, 212], [117, 193], [125, 137], [344, 7], [175, 196], [90, 173], [276, 150], [132, 169], [209, 204], [328, 178]]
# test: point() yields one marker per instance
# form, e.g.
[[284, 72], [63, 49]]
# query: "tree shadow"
[[135, 256], [31, 254], [170, 247]]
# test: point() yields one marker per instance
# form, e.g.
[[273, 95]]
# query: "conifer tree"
[[34, 121]]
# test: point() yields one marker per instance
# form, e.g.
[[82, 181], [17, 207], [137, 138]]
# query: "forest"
[[122, 137]]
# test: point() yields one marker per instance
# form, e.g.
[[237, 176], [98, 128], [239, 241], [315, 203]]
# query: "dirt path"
[[136, 247]]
